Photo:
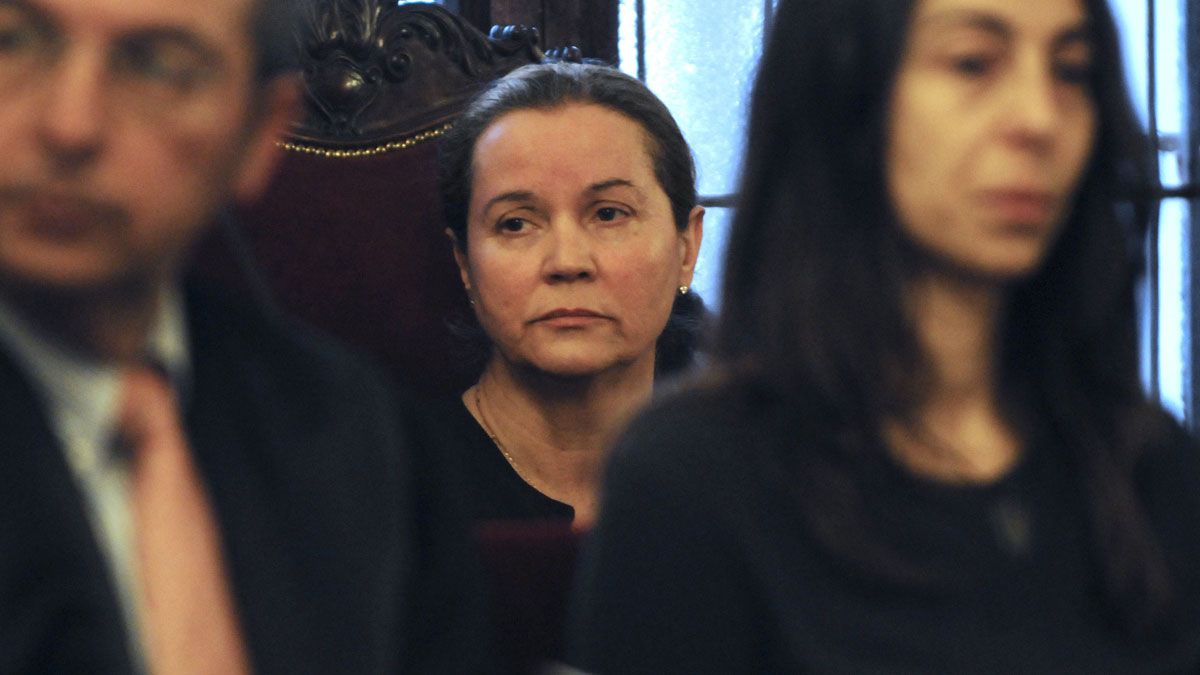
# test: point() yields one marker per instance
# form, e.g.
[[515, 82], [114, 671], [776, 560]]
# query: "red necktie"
[[189, 623]]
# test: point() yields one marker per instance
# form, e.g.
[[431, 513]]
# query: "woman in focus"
[[925, 447], [571, 205]]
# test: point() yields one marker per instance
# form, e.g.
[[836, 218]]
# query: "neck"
[[959, 430], [557, 430], [957, 323], [108, 326]]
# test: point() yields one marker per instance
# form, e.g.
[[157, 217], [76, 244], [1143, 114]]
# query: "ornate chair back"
[[349, 235]]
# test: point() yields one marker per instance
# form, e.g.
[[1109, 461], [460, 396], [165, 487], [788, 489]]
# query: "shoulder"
[[705, 418], [705, 441], [442, 433], [447, 433], [682, 521], [222, 322], [244, 343], [1168, 481], [443, 415], [266, 375], [1168, 472]]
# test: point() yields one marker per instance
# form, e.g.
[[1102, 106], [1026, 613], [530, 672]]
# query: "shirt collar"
[[167, 344], [82, 394]]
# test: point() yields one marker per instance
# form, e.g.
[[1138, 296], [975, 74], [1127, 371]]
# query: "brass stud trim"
[[392, 146]]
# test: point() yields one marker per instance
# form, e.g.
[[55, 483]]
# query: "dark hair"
[[816, 269], [551, 85]]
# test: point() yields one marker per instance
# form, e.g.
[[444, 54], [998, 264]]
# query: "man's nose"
[[71, 118]]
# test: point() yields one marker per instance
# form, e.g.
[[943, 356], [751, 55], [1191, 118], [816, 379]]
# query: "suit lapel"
[[234, 442], [301, 494], [58, 610]]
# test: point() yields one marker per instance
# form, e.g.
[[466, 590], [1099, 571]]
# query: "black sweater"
[[702, 562], [490, 487]]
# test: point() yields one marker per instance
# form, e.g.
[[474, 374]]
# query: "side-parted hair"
[[550, 85], [814, 290], [546, 86]]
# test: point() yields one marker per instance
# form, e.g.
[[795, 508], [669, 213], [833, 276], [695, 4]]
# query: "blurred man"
[[185, 485]]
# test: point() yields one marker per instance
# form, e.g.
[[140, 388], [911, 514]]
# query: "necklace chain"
[[487, 429]]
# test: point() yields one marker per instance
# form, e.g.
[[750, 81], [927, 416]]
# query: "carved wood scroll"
[[376, 71]]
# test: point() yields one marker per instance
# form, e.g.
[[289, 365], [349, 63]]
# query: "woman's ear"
[[690, 239], [460, 258]]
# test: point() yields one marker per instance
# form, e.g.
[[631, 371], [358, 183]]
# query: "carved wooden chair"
[[349, 235]]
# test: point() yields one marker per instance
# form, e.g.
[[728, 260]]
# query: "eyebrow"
[[611, 183], [511, 196], [526, 195], [1080, 32]]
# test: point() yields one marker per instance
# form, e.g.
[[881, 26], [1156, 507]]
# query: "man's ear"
[[279, 105], [460, 258], [690, 239]]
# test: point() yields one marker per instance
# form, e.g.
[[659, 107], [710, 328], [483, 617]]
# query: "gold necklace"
[[487, 429]]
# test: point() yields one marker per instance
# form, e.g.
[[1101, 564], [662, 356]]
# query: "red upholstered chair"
[[349, 236], [530, 569]]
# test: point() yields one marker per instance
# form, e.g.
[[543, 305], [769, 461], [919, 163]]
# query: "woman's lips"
[[570, 318], [1023, 208]]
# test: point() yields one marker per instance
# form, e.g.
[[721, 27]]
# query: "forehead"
[[1026, 16], [571, 139], [224, 24]]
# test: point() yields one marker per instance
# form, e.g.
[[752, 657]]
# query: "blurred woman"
[[571, 203], [926, 448]]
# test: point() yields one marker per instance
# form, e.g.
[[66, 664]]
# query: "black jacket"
[[301, 450]]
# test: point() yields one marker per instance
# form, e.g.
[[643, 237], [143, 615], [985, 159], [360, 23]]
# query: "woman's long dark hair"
[[816, 269]]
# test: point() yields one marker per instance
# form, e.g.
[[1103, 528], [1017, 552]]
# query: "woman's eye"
[[973, 66], [1073, 73], [608, 214], [512, 225]]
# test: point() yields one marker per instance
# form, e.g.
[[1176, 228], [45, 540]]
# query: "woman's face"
[[572, 256], [991, 127]]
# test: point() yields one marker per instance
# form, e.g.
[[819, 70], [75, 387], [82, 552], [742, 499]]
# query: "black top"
[[702, 562], [490, 486]]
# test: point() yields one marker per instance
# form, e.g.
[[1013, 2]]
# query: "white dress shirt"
[[81, 397]]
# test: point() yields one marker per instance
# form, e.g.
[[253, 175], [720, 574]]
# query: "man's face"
[[123, 125]]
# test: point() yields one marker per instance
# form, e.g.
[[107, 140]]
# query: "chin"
[[570, 368], [62, 275], [1001, 265], [578, 361], [1015, 267], [57, 277]]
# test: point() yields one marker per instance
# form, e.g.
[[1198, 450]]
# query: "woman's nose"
[[570, 254], [1032, 109]]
